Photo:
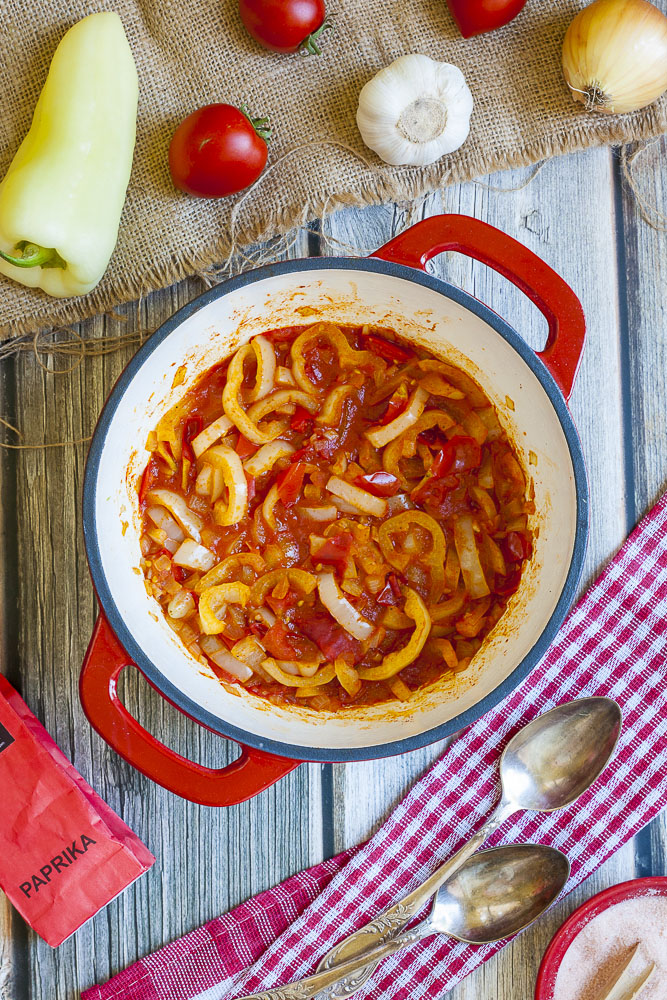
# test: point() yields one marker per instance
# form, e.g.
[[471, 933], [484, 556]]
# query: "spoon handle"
[[312, 986], [384, 926]]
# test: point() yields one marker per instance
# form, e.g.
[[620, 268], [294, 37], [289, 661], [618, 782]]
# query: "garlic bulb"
[[415, 110], [615, 55]]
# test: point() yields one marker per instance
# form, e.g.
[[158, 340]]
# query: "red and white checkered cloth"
[[614, 643]]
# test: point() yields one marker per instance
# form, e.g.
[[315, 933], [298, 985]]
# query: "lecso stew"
[[332, 518]]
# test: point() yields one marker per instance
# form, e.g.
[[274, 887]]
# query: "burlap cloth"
[[192, 52]]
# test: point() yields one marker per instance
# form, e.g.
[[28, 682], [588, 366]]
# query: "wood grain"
[[576, 215]]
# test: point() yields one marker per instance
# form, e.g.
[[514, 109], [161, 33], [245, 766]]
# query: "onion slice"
[[190, 522], [166, 523], [468, 553], [328, 513], [266, 367], [340, 608], [383, 434], [193, 556], [264, 459], [211, 434], [224, 458], [361, 499], [224, 659]]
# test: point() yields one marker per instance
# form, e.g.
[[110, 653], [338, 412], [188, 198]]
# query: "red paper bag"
[[64, 854]]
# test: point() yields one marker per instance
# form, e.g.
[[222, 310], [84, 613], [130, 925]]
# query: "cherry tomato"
[[218, 150], [477, 16], [285, 25]]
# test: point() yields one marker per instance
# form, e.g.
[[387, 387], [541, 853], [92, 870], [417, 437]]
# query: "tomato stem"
[[262, 126], [310, 45]]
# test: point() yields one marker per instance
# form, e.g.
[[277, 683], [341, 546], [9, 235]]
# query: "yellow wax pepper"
[[61, 199]]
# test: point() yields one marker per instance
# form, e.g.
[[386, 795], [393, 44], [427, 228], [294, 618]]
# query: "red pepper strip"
[[334, 551], [395, 586], [245, 448], [301, 420], [149, 473], [443, 461], [289, 483], [516, 547], [387, 349], [396, 404], [380, 484], [506, 585], [191, 429], [250, 480]]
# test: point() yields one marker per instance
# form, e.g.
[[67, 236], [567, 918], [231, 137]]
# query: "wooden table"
[[580, 217]]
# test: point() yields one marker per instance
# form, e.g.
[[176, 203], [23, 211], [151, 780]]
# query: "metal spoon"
[[545, 766], [493, 896]]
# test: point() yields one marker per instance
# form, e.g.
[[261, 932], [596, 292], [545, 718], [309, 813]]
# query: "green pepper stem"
[[32, 255], [310, 45]]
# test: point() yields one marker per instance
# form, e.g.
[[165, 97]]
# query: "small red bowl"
[[565, 935]]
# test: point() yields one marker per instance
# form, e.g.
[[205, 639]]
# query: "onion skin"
[[615, 56]]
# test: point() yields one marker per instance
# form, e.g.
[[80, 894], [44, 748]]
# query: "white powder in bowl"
[[599, 951]]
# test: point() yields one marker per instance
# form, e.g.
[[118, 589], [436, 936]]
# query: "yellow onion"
[[615, 55]]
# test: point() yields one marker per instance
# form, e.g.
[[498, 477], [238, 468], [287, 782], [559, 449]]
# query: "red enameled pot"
[[389, 289]]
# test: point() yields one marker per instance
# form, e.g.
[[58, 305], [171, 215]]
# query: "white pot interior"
[[419, 314]]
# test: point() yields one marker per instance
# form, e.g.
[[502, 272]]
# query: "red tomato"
[[218, 150], [477, 16], [301, 420], [285, 25], [331, 639], [289, 483], [380, 484], [387, 349], [245, 448], [334, 551]]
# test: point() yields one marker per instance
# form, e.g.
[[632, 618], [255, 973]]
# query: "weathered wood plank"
[[555, 217], [643, 270], [208, 860]]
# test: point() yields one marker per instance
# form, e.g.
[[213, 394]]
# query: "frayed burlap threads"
[[190, 54]]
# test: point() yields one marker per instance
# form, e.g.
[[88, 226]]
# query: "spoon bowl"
[[498, 892], [557, 756], [493, 895]]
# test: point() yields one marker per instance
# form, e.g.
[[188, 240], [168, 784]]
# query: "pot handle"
[[552, 296], [226, 786]]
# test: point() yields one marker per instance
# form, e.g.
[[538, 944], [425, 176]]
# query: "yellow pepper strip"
[[436, 385], [213, 602], [234, 509], [270, 501], [405, 446], [435, 558], [62, 197], [222, 572], [232, 405], [347, 676], [322, 676], [332, 409], [394, 662], [266, 367], [347, 356], [283, 397], [303, 581]]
